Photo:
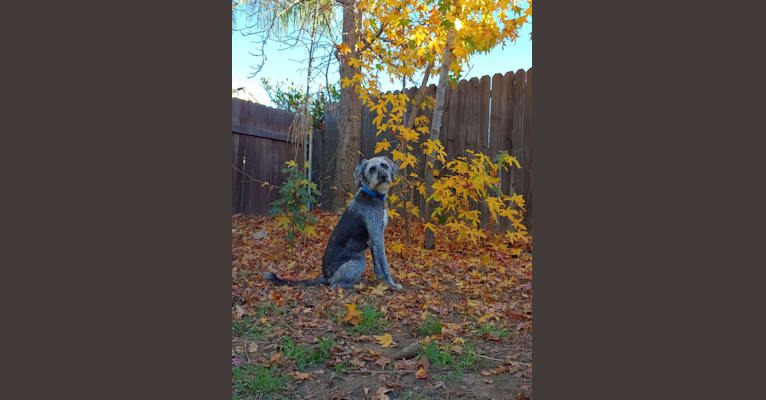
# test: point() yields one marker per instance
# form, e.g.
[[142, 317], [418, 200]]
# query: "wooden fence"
[[489, 114], [259, 150]]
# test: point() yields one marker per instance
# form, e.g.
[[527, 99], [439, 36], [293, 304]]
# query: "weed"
[[490, 331], [342, 367], [248, 328], [439, 358], [431, 326], [267, 309], [303, 356], [296, 194], [410, 395], [321, 352], [297, 352], [467, 359], [370, 321], [257, 381]]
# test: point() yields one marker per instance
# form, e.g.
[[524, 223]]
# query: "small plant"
[[267, 309], [431, 326], [297, 352], [247, 328], [490, 331], [342, 367], [257, 381], [297, 193], [438, 357], [370, 321], [466, 360], [321, 352]]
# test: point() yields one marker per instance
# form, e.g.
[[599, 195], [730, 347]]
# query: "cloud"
[[251, 91]]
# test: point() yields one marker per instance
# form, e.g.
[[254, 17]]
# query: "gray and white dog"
[[360, 227]]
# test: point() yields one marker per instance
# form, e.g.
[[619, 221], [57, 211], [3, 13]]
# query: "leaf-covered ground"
[[460, 329]]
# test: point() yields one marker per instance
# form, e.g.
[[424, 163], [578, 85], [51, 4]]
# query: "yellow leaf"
[[378, 290], [422, 373], [310, 230], [283, 221], [344, 49], [383, 145], [485, 317], [354, 62], [353, 314], [397, 155], [385, 340]]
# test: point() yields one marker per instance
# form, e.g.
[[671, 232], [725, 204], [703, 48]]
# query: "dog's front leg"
[[380, 264]]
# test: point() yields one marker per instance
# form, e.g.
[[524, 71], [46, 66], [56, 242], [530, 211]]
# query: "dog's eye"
[[385, 166], [372, 168]]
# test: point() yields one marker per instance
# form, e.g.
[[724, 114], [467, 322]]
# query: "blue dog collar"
[[381, 196]]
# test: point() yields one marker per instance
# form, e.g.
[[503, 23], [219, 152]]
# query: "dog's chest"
[[385, 217]]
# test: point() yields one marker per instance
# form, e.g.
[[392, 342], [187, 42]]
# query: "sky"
[[283, 65]]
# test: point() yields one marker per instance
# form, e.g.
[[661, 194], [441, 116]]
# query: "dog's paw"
[[395, 286]]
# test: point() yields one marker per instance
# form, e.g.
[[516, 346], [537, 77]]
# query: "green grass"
[[371, 321], [410, 395], [491, 331], [440, 358], [342, 367], [267, 309], [431, 326], [257, 381], [303, 355], [248, 328], [321, 352], [466, 360], [296, 352]]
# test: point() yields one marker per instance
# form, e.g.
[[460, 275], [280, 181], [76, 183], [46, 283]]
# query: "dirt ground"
[[480, 294]]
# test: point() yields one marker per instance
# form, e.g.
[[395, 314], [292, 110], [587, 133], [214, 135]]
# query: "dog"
[[359, 228]]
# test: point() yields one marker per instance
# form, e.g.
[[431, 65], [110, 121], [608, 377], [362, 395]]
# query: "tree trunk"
[[436, 124], [349, 124]]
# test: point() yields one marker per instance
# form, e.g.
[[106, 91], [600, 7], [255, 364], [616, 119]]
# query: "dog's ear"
[[359, 172], [394, 166]]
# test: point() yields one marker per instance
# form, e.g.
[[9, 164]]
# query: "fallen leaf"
[[422, 373], [380, 289], [383, 361], [300, 375], [252, 347], [385, 340], [380, 394], [359, 363]]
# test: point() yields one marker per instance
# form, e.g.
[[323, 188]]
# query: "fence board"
[[482, 135], [517, 131], [527, 166], [236, 174]]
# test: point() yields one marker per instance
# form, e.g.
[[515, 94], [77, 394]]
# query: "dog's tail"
[[280, 282]]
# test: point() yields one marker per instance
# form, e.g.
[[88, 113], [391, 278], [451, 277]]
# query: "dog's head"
[[376, 173]]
